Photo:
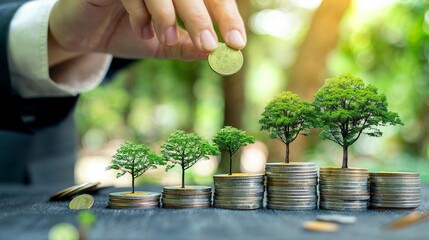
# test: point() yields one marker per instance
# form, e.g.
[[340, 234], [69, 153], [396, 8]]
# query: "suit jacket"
[[37, 135]]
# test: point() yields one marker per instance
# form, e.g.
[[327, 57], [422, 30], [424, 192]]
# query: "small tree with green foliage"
[[134, 159], [230, 139], [348, 108], [186, 149], [285, 117]]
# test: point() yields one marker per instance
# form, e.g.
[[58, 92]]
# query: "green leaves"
[[186, 149], [230, 139], [347, 108], [286, 116], [134, 159]]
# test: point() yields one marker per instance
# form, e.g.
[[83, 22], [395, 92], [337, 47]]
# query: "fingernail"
[[235, 39], [147, 32], [208, 42], [171, 37]]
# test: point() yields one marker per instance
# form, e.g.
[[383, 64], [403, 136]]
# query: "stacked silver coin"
[[239, 191], [291, 186], [395, 190], [343, 189], [187, 197], [134, 200]]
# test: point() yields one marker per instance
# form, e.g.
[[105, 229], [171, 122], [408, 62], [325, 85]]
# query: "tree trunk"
[[309, 70], [183, 174], [345, 157], [230, 163], [132, 183], [287, 153], [132, 176]]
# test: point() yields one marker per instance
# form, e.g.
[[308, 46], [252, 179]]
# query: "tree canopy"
[[134, 159], [230, 139], [347, 108], [285, 117], [186, 149]]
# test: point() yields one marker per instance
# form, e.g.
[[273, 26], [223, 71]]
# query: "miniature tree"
[[186, 149], [348, 108], [285, 117], [230, 139], [134, 159]]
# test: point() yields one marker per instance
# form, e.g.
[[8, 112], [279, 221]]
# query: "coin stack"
[[291, 186], [239, 191], [395, 190], [343, 189], [142, 200], [187, 197]]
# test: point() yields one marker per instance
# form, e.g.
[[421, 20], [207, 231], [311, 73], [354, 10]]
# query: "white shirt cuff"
[[28, 58]]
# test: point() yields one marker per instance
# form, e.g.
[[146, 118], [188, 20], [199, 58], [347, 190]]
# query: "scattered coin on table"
[[84, 201], [408, 220], [69, 192], [225, 60], [318, 226], [343, 219]]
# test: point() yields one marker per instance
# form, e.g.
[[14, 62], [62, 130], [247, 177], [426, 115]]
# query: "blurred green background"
[[292, 45]]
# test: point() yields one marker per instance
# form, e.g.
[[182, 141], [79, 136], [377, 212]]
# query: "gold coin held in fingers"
[[225, 60], [84, 201]]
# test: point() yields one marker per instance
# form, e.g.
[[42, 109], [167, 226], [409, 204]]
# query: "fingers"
[[197, 21], [185, 49], [231, 25], [139, 18], [164, 20]]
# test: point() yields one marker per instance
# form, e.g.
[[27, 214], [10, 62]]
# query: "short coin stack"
[[343, 189], [395, 190], [291, 186], [239, 191], [187, 197], [143, 200]]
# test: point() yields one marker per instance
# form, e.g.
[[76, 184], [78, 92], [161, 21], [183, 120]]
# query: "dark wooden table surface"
[[25, 213]]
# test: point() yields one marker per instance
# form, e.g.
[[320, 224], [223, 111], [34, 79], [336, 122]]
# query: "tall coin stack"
[[291, 186], [187, 197], [239, 191], [134, 200], [395, 190], [343, 189]]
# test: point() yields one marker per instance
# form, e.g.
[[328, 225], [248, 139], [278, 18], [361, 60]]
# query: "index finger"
[[231, 25]]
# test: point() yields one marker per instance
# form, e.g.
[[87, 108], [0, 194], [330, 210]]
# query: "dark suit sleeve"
[[17, 113]]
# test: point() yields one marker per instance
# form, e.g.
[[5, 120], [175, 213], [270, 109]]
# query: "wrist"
[[56, 53]]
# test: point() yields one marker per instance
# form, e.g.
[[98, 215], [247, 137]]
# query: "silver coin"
[[344, 170], [178, 206], [187, 190], [339, 208], [172, 196], [234, 194], [293, 198], [185, 201], [343, 219], [239, 207], [241, 191], [298, 189], [395, 205], [291, 208]]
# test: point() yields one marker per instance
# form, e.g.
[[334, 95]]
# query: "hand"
[[145, 28]]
